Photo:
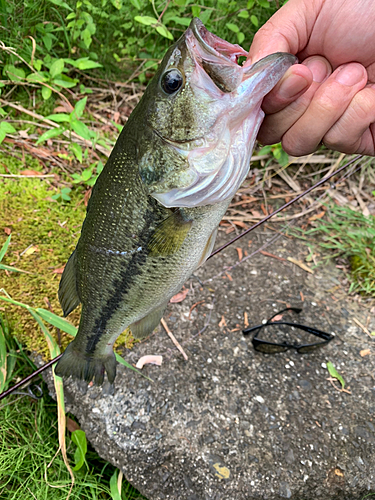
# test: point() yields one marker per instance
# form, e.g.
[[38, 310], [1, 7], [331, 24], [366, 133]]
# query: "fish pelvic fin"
[[142, 328], [85, 367], [169, 235], [68, 295]]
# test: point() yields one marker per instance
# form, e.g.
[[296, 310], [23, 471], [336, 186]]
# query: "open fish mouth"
[[218, 57]]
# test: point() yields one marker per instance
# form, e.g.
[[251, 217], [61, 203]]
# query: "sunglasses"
[[273, 347]]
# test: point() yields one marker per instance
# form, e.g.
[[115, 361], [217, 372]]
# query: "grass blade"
[[55, 351], [3, 359], [4, 248], [57, 321], [335, 374]]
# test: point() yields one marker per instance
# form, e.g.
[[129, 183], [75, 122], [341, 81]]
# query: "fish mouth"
[[218, 58]]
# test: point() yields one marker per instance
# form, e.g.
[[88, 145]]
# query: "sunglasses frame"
[[300, 348]]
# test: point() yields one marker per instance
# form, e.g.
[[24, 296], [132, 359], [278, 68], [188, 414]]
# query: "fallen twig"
[[173, 338]]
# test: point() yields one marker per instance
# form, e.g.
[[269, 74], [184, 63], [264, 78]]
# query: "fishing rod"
[[265, 219]]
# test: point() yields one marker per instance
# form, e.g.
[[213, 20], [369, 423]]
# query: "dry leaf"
[[301, 265], [7, 230], [240, 253], [255, 213], [279, 317], [179, 297], [365, 352], [28, 173], [229, 277], [59, 270], [317, 216], [72, 425], [149, 359], [222, 322], [246, 320], [240, 224], [30, 250]]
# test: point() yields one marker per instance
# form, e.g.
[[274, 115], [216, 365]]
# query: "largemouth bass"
[[153, 215]]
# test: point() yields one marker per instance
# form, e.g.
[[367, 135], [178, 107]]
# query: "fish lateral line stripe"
[[127, 276]]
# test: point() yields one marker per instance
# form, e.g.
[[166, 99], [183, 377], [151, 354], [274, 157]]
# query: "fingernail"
[[292, 86], [319, 69], [350, 74]]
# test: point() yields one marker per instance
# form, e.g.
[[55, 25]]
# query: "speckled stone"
[[231, 423]]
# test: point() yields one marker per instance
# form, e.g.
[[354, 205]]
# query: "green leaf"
[[13, 269], [243, 14], [86, 63], [146, 20], [264, 3], [195, 10], [335, 374], [250, 4], [60, 3], [59, 117], [86, 174], [233, 27], [80, 107], [162, 30], [117, 4], [46, 93], [240, 37], [56, 68], [3, 359], [81, 129], [184, 21], [77, 150], [14, 74], [7, 128], [54, 132], [47, 40], [254, 20], [36, 78], [136, 4], [4, 248], [264, 151], [115, 493], [2, 135], [79, 438], [65, 82]]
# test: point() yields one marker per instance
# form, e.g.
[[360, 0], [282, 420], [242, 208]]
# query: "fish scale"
[[154, 211]]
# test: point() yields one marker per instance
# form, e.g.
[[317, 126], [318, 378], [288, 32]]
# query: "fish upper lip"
[[205, 37]]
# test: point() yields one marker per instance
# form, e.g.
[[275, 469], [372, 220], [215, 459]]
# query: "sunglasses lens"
[[309, 348], [269, 348]]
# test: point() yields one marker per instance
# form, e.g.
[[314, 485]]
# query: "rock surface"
[[234, 424]]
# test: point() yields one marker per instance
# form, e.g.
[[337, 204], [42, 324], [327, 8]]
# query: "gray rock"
[[232, 423]]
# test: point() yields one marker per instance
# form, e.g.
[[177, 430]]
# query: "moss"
[[44, 234]]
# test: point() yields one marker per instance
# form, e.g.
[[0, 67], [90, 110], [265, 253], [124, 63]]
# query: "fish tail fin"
[[85, 367]]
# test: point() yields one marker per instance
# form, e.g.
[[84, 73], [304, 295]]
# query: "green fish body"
[[154, 211]]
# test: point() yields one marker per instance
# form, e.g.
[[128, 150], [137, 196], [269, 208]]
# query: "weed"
[[351, 235]]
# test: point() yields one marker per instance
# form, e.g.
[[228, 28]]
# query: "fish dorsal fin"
[[68, 295], [142, 328], [169, 235]]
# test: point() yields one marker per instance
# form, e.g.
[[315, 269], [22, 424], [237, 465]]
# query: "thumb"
[[288, 30]]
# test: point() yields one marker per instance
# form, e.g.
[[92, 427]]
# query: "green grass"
[[30, 467], [351, 235]]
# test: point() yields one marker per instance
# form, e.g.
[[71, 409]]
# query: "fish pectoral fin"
[[208, 248], [68, 295], [143, 327], [169, 235]]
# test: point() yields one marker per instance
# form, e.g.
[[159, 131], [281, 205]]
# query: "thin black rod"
[[322, 181], [29, 377]]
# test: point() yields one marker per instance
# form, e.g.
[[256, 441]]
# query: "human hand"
[[330, 97]]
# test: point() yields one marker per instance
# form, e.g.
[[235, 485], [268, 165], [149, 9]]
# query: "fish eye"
[[172, 81]]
